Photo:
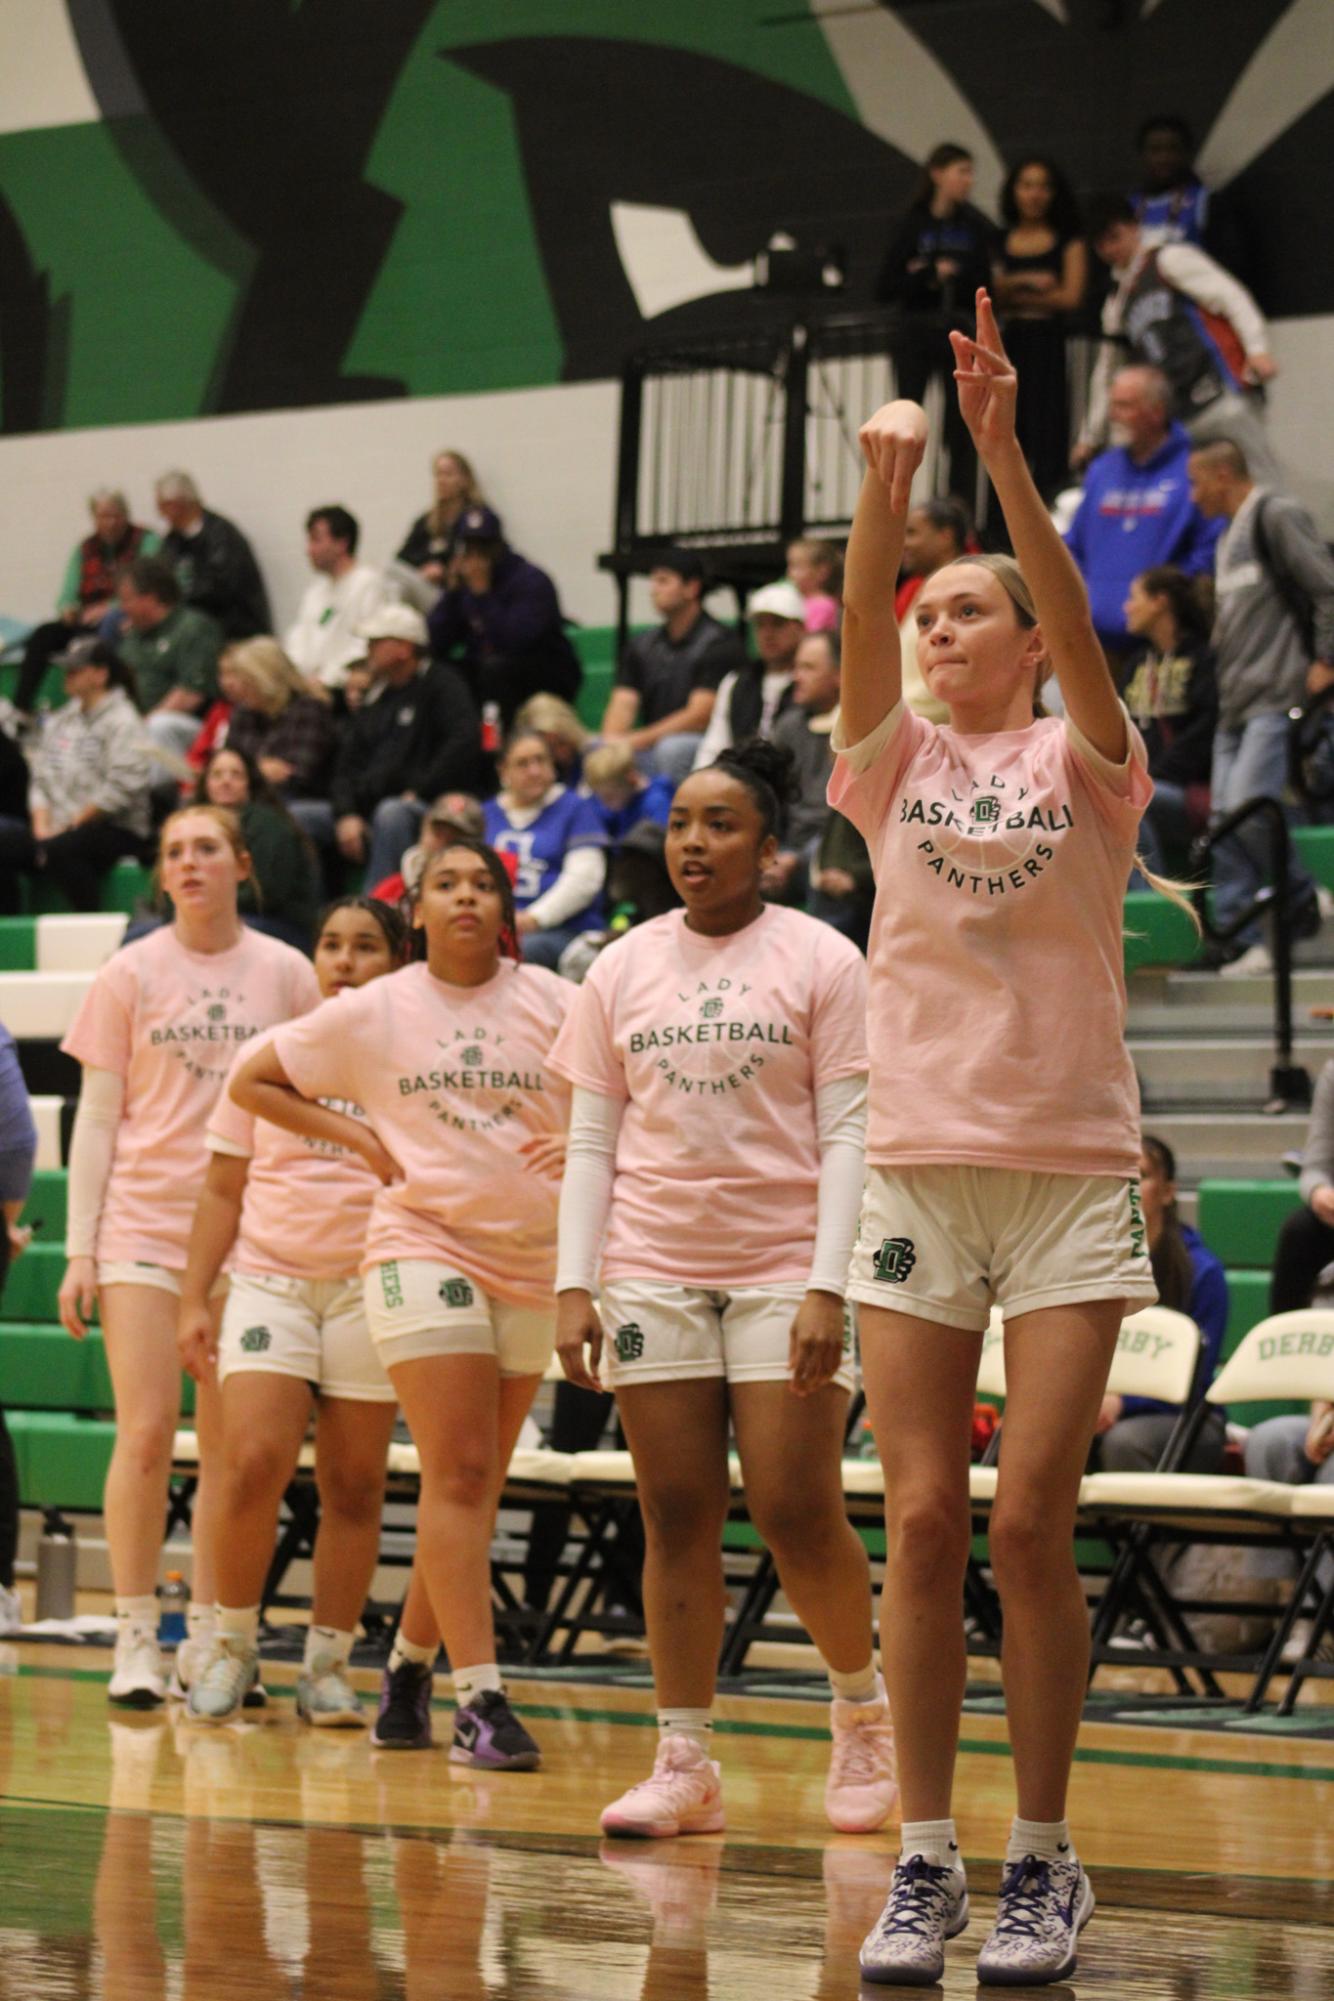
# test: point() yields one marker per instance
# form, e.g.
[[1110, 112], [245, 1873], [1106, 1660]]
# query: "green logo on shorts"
[[456, 1292], [629, 1342], [895, 1259], [391, 1285], [847, 1329], [255, 1340], [1136, 1220]]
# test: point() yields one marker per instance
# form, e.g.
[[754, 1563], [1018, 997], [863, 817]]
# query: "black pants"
[[9, 1472], [75, 861], [39, 650], [1305, 1247]]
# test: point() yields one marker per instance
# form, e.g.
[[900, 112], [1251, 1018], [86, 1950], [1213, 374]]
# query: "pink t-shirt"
[[307, 1202], [169, 1022], [821, 613], [453, 1081], [717, 1047], [998, 1000]]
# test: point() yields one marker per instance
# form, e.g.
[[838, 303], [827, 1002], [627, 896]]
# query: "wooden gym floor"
[[143, 1859]]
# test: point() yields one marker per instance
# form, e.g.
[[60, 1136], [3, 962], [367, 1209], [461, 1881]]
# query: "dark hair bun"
[[773, 764]]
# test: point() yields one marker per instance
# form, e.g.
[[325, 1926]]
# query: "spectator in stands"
[[18, 1152], [1172, 696], [1273, 639], [816, 568], [804, 730], [559, 843], [88, 591], [943, 249], [936, 532], [172, 651], [452, 814], [429, 544], [621, 792], [1042, 278], [289, 732], [1131, 1434], [215, 565], [91, 773], [753, 696], [561, 730], [1172, 205], [282, 893], [1137, 511], [668, 678], [344, 593], [504, 617], [14, 781], [1179, 311], [419, 737]]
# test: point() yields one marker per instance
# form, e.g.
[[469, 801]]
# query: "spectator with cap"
[[419, 736], [343, 594], [88, 591], [753, 696], [171, 650], [668, 678], [502, 618], [215, 565], [452, 814]]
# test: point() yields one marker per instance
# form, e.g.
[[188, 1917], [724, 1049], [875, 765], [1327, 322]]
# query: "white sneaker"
[[326, 1698], [862, 1786], [684, 1796], [1255, 961], [1299, 1640], [1042, 1908], [138, 1678], [11, 1613], [224, 1673], [188, 1664], [927, 1904]]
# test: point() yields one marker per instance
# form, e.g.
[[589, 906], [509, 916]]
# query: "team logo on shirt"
[[992, 840], [709, 1010], [986, 811], [721, 1042], [894, 1260], [256, 1340], [205, 1037], [478, 1086], [456, 1293], [629, 1342]]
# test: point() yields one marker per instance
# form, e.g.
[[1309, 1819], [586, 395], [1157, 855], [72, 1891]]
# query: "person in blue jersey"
[[559, 844], [1172, 202]]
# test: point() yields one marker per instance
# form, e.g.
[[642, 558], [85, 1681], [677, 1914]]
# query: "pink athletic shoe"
[[862, 1788], [684, 1796]]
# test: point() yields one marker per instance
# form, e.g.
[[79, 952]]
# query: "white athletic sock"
[[863, 1686], [935, 1841], [404, 1651], [1049, 1840], [472, 1681], [696, 1724], [330, 1641], [239, 1622], [137, 1611], [201, 1620]]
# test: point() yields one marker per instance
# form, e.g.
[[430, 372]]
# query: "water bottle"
[[173, 1599], [491, 726], [57, 1564]]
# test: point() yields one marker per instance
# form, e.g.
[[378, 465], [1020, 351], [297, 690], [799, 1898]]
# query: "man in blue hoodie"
[[1137, 509]]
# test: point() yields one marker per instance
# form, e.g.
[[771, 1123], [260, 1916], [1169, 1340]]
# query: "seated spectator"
[[428, 546], [1178, 311], [804, 731], [1137, 512], [504, 617], [419, 736], [88, 800], [171, 650], [560, 846], [1043, 272], [451, 814], [1172, 696], [287, 731], [562, 731], [668, 678], [816, 568], [326, 636], [88, 592], [842, 881], [936, 532], [282, 894], [753, 696], [621, 792], [1132, 1432], [215, 565]]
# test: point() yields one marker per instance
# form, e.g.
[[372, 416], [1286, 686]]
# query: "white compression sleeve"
[[840, 1124], [92, 1146], [585, 1193], [582, 875]]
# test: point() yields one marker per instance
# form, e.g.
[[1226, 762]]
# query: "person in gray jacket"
[[1273, 640], [822, 862]]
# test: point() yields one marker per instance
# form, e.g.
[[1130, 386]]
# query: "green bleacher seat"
[[1315, 845], [1157, 933], [44, 1368], [33, 1282], [18, 944], [62, 1460], [1240, 1220], [46, 1204], [126, 885]]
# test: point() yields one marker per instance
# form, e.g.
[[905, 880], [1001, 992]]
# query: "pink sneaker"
[[862, 1788], [684, 1796]]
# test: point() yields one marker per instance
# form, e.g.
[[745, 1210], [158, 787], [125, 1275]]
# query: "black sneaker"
[[404, 1721], [489, 1734]]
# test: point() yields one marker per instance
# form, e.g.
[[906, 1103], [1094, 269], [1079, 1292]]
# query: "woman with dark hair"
[[1041, 282], [464, 1123], [282, 897], [1172, 696], [719, 1072]]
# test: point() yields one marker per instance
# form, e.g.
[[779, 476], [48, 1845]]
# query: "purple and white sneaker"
[[404, 1721], [489, 1734]]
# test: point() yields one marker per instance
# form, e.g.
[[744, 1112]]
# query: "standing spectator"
[[816, 568], [1273, 640], [344, 593], [936, 532], [1137, 511], [18, 1151], [429, 544], [1042, 278], [91, 773], [88, 591], [559, 844], [172, 651], [753, 696], [215, 565], [275, 720], [668, 678], [281, 895], [1172, 205], [1180, 312], [505, 616], [1172, 696], [943, 250]]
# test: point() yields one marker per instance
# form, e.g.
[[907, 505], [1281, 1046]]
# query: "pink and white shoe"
[[862, 1788], [684, 1796]]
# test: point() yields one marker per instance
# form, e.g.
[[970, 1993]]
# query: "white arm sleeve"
[[1194, 272], [585, 1193], [92, 1146], [582, 875], [840, 1123], [718, 736]]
